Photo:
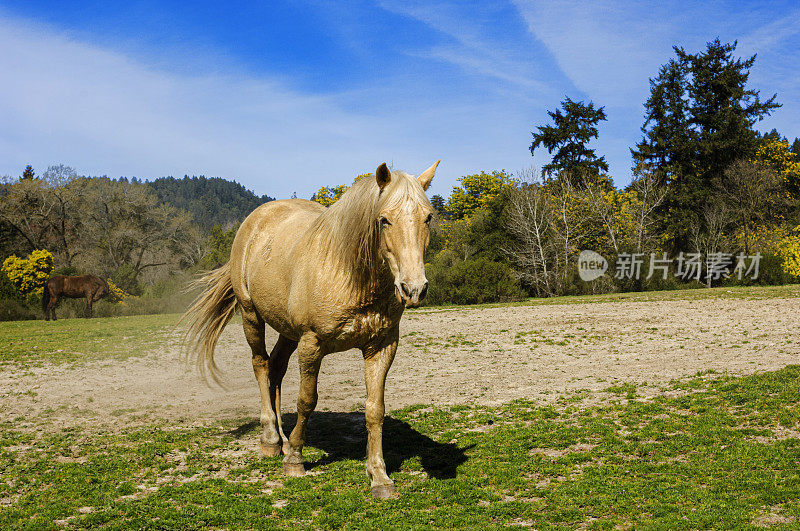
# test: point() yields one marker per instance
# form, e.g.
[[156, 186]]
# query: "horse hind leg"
[[271, 442], [278, 360]]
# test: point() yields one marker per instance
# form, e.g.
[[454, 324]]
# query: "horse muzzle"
[[411, 293]]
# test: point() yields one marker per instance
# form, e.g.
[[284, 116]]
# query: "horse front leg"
[[51, 307], [88, 312], [309, 358], [377, 361]]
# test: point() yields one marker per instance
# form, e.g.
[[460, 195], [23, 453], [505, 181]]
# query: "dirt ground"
[[474, 355]]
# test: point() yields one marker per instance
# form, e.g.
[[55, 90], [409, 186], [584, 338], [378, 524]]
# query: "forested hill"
[[212, 201]]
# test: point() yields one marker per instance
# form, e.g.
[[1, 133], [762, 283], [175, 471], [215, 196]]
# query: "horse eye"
[[429, 218], [385, 222]]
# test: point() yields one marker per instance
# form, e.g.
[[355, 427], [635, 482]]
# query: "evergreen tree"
[[699, 119], [28, 172], [437, 202], [796, 146], [772, 136], [572, 129]]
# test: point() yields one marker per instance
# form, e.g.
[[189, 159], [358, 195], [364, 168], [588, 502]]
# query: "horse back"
[[56, 284], [74, 286], [261, 263]]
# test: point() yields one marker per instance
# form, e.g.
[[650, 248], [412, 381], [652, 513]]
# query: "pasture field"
[[672, 410], [30, 343]]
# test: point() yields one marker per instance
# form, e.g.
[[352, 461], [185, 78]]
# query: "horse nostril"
[[423, 292], [406, 289]]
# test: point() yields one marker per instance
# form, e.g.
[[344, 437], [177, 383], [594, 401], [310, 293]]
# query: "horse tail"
[[207, 317], [45, 298]]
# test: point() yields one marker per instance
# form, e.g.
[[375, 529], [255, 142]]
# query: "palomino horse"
[[89, 286], [326, 280]]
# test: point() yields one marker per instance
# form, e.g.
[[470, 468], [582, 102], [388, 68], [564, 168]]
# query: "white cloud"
[[608, 49], [771, 36], [484, 43], [66, 101]]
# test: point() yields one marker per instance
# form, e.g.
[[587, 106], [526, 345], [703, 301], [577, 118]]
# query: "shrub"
[[790, 252], [15, 310], [67, 271], [473, 281], [29, 275], [13, 306], [115, 293], [7, 288], [125, 278]]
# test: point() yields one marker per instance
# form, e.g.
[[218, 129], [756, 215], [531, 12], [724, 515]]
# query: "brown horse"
[[326, 280], [89, 286]]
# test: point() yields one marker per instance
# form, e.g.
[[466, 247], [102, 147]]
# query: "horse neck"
[[361, 284]]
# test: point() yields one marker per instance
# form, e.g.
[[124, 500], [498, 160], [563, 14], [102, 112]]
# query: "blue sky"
[[285, 96]]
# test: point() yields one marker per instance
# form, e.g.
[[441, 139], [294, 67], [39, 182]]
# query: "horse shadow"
[[343, 436]]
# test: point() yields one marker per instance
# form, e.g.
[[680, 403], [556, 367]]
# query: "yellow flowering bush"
[[476, 192], [763, 238], [790, 252], [326, 196], [117, 294], [29, 275], [777, 155]]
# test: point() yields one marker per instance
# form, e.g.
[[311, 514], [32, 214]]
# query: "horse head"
[[404, 218]]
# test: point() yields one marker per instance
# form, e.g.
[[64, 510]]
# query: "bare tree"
[[46, 211], [708, 233], [23, 208], [748, 190], [651, 193], [64, 191], [569, 221], [134, 233], [530, 222]]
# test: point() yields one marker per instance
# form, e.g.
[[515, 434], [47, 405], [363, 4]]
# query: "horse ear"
[[383, 176], [426, 177]]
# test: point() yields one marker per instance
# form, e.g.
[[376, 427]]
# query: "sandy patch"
[[474, 355]]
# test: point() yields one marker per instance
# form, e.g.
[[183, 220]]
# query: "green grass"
[[74, 340], [710, 452], [715, 452]]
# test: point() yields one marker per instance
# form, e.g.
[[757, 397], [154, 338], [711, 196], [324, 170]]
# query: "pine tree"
[[698, 120], [573, 128], [28, 172], [437, 202], [772, 136]]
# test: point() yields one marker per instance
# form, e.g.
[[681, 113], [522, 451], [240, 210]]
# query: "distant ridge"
[[211, 200]]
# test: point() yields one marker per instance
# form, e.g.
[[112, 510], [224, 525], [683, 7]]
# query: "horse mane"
[[348, 232]]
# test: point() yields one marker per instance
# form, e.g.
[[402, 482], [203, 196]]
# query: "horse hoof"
[[294, 470], [271, 450], [384, 492]]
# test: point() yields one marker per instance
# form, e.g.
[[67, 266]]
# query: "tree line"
[[705, 184], [138, 234]]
